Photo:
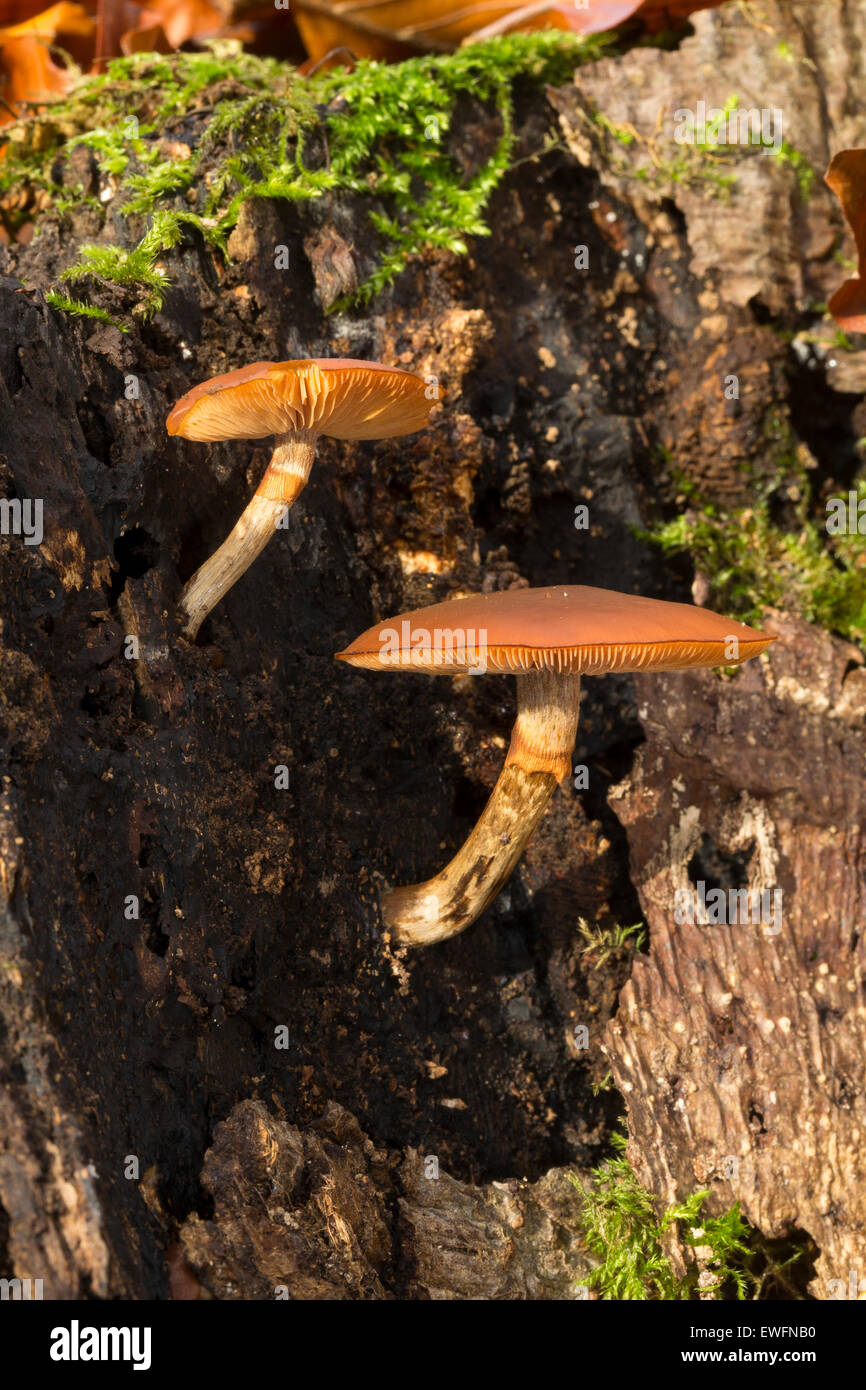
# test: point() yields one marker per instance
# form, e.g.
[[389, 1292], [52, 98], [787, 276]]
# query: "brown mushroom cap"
[[574, 628], [338, 396]]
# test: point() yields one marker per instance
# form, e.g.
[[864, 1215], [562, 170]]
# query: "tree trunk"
[[193, 981]]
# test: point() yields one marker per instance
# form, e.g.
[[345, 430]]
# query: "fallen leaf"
[[64, 19], [183, 19], [391, 29], [14, 11], [846, 176], [27, 67], [654, 14], [147, 38], [28, 73], [592, 18]]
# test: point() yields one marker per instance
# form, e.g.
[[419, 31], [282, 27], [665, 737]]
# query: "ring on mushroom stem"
[[548, 639], [295, 402]]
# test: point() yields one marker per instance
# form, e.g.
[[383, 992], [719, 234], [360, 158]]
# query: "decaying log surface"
[[53, 1222], [323, 1214], [766, 240], [797, 65], [152, 776], [740, 1045], [741, 1051]]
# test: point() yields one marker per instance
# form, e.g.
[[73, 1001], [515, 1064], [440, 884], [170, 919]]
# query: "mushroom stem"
[[539, 757], [284, 479]]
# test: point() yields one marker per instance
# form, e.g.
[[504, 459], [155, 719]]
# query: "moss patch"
[[709, 161], [623, 1231], [185, 140], [753, 562]]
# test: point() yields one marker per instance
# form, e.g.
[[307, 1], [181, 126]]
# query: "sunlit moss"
[[709, 160], [376, 131], [623, 1231], [77, 306], [753, 563]]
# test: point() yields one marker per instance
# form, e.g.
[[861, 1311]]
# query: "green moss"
[[378, 131], [605, 1084], [138, 267], [690, 165], [796, 160], [77, 306], [753, 562], [708, 162], [600, 944], [622, 1230]]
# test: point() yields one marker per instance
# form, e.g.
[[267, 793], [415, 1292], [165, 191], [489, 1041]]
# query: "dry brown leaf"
[[391, 29], [847, 178], [592, 18], [183, 19], [658, 14], [13, 12], [147, 38], [29, 72], [63, 19]]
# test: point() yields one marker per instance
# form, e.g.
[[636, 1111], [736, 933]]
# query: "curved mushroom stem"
[[538, 758], [285, 478]]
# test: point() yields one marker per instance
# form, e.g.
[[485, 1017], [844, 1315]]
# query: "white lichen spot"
[[789, 688]]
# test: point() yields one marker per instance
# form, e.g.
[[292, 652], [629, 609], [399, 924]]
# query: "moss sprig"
[[754, 562], [623, 1230]]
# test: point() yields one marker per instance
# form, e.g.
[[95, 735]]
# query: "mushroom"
[[295, 402], [548, 639]]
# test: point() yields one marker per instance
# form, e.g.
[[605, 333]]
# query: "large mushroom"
[[548, 639], [295, 402]]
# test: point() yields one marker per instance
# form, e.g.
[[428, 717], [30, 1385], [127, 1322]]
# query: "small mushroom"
[[548, 639], [295, 402]]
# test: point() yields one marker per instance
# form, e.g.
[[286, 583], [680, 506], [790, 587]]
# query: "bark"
[[323, 1214], [740, 1046], [152, 775]]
